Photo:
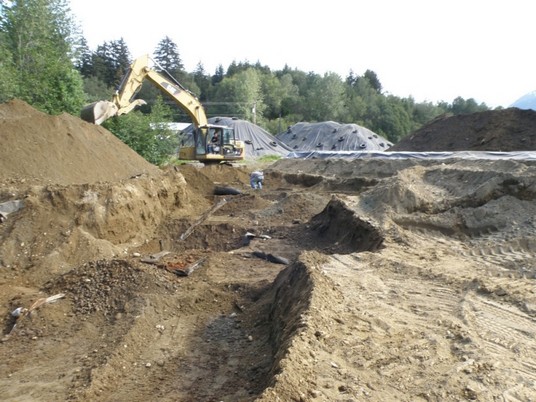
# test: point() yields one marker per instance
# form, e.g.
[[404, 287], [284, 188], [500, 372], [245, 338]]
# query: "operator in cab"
[[214, 145]]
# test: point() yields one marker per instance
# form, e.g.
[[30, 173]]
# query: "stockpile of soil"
[[40, 148], [332, 137], [505, 130]]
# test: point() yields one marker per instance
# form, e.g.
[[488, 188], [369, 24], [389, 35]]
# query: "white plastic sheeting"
[[467, 155], [527, 101]]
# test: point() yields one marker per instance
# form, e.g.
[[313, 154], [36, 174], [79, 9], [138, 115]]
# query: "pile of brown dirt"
[[505, 130], [62, 149]]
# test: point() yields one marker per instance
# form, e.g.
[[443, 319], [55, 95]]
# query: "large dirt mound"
[[505, 130], [63, 149]]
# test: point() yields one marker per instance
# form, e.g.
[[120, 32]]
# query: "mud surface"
[[366, 280]]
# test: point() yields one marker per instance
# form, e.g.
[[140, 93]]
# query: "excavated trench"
[[218, 334], [245, 335]]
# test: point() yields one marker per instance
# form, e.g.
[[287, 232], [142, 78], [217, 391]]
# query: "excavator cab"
[[213, 143]]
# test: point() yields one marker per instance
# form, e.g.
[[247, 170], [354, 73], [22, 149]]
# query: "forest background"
[[46, 62]]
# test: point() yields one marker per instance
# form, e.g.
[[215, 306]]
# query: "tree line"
[[45, 61]]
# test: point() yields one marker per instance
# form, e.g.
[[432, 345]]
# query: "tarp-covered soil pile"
[[258, 141], [365, 280], [505, 130], [332, 137]]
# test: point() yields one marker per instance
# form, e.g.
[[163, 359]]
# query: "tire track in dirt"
[[515, 256], [473, 333], [503, 332], [399, 313], [502, 327]]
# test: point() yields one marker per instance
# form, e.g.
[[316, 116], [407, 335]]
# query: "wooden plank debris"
[[155, 258], [189, 269], [203, 218]]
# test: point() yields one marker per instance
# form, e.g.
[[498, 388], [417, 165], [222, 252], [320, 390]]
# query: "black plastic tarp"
[[332, 136]]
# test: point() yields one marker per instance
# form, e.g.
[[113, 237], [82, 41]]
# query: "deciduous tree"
[[243, 95], [38, 38], [147, 134]]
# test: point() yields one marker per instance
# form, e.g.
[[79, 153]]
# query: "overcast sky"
[[428, 49]]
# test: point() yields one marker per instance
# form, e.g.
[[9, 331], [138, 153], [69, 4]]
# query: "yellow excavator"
[[212, 143]]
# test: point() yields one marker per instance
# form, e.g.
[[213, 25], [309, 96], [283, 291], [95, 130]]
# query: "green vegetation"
[[269, 158], [37, 46], [146, 134], [45, 61]]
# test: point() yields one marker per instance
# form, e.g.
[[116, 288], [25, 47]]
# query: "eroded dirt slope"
[[38, 148]]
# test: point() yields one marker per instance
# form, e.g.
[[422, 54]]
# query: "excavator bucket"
[[99, 111]]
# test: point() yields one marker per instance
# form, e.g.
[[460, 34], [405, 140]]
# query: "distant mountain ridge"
[[527, 101]]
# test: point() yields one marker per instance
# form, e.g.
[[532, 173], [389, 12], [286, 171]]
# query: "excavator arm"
[[123, 100]]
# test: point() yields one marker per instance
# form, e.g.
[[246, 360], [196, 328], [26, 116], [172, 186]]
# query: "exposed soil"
[[366, 280], [504, 130]]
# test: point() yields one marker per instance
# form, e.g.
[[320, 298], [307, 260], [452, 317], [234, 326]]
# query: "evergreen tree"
[[202, 80], [168, 59], [110, 62], [120, 60], [103, 64], [373, 80], [84, 59], [232, 69], [218, 76]]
